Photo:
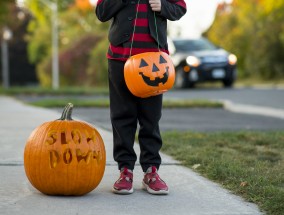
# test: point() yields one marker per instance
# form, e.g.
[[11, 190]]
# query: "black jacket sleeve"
[[106, 9], [173, 9]]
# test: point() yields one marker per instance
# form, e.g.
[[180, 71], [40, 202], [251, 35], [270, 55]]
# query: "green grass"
[[50, 103], [191, 104], [101, 102], [250, 164], [49, 91]]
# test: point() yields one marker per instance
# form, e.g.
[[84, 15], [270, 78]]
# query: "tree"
[[84, 5], [40, 28], [20, 70], [97, 66], [75, 25], [6, 18], [253, 30], [268, 43], [4, 4]]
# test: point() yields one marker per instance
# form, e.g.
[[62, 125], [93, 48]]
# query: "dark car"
[[198, 60]]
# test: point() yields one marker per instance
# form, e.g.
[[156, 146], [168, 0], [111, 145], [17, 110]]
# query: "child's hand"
[[155, 5]]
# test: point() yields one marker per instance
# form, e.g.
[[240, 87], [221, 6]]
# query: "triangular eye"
[[162, 60], [155, 68], [143, 64]]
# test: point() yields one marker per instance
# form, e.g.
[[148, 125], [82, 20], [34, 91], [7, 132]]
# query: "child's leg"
[[123, 113], [149, 114]]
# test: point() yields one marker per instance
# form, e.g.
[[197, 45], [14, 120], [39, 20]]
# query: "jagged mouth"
[[157, 81]]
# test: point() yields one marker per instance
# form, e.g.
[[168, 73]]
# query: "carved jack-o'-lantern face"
[[149, 74], [158, 74], [65, 157]]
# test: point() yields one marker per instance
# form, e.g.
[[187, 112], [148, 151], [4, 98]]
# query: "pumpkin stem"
[[67, 112]]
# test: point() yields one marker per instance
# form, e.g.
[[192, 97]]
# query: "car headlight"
[[193, 61], [232, 59]]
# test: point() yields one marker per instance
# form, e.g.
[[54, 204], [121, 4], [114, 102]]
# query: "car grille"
[[214, 59], [210, 66]]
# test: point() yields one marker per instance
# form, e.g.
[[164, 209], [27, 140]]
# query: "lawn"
[[250, 164], [49, 91], [104, 102], [72, 95]]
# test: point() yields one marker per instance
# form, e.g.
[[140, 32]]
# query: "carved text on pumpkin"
[[69, 155]]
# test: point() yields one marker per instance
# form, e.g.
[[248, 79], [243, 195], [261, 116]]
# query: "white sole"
[[154, 192], [123, 192]]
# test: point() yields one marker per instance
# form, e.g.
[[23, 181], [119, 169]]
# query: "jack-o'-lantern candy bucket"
[[149, 74], [65, 157]]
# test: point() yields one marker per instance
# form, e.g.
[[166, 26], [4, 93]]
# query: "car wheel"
[[228, 83], [181, 79]]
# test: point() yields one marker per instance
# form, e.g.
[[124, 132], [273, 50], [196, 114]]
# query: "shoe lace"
[[125, 175], [153, 177]]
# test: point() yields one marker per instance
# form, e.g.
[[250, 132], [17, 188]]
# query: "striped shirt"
[[142, 40]]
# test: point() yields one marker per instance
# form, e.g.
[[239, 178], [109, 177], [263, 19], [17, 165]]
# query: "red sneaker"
[[124, 184], [153, 183]]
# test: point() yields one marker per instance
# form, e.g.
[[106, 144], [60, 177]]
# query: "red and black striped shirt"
[[142, 40]]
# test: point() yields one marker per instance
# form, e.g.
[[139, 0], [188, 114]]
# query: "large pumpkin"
[[65, 157], [149, 74]]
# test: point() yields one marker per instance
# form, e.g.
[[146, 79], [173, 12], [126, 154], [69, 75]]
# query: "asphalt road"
[[211, 119], [269, 97], [264, 97], [199, 119]]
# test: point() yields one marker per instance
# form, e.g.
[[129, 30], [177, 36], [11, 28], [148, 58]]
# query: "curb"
[[251, 109]]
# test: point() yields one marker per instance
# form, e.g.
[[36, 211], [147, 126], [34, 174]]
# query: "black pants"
[[125, 111]]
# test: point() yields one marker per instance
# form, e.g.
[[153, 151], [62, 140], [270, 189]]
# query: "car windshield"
[[193, 45]]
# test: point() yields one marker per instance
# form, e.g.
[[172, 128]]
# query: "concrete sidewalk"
[[189, 193]]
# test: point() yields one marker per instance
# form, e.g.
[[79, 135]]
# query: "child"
[[138, 26]]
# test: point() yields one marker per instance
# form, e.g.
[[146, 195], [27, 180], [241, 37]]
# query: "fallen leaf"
[[195, 166], [244, 184]]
